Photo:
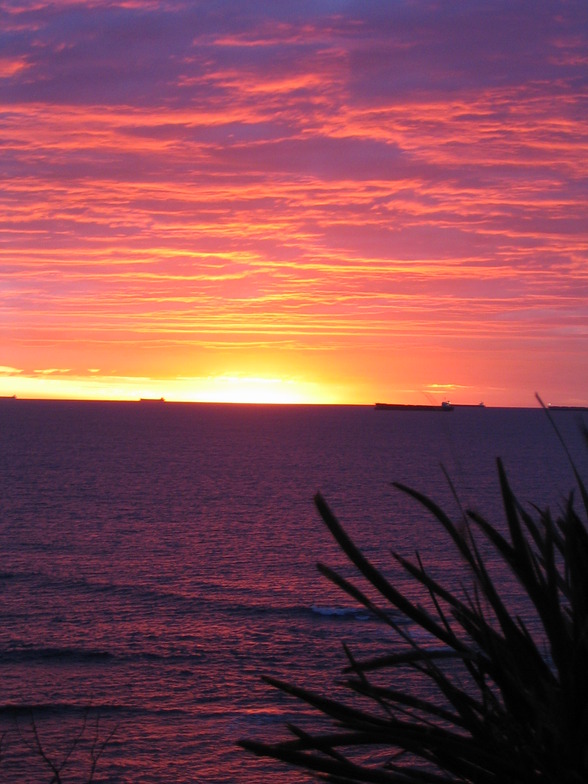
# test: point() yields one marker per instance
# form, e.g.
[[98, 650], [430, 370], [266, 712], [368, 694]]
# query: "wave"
[[342, 612], [80, 586], [20, 655], [243, 722], [10, 709], [68, 655], [99, 709], [357, 614]]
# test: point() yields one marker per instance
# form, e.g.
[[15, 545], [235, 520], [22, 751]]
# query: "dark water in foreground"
[[156, 559]]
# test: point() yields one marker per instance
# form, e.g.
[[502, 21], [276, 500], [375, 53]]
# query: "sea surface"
[[157, 559]]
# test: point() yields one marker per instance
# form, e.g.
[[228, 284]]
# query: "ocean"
[[158, 558]]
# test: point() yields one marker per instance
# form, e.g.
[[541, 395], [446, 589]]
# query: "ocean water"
[[157, 559]]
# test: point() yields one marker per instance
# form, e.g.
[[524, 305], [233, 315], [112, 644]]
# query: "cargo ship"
[[445, 406]]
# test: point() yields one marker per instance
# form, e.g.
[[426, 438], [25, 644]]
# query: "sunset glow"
[[335, 202]]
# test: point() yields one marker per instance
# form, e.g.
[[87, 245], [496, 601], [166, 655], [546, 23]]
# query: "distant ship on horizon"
[[445, 406], [552, 407]]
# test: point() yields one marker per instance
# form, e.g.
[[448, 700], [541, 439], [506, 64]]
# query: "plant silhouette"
[[498, 700]]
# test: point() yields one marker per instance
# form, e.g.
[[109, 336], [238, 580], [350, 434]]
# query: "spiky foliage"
[[500, 700]]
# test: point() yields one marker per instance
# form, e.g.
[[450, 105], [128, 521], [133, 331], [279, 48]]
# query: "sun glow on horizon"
[[261, 390]]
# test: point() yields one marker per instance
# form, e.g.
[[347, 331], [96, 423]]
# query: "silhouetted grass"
[[495, 701]]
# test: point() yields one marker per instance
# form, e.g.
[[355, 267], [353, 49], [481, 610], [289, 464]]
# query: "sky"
[[336, 201]]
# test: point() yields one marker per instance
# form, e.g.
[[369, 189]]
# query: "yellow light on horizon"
[[263, 390], [251, 389], [206, 389]]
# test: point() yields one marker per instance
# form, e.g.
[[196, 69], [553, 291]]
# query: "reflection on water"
[[157, 560]]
